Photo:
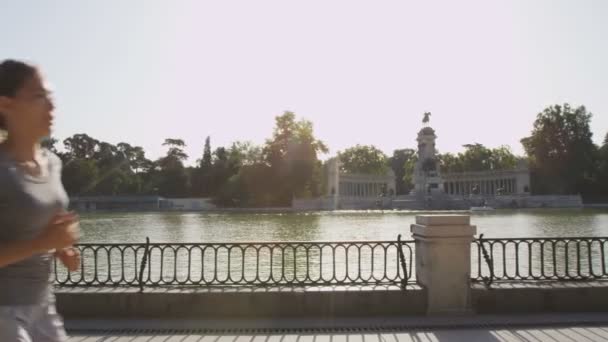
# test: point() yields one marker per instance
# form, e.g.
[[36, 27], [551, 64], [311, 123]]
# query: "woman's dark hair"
[[13, 75]]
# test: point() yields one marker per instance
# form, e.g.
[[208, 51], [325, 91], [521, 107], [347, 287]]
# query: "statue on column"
[[427, 118]]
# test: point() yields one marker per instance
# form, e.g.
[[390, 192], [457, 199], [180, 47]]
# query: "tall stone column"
[[443, 261]]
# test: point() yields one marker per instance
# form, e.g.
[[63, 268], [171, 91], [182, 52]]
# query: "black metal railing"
[[239, 264], [571, 258]]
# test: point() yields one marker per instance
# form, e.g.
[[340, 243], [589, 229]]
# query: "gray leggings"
[[31, 323]]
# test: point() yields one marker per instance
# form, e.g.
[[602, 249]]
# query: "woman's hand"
[[70, 258], [61, 232]]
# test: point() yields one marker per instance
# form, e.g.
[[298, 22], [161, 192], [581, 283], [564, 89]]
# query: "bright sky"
[[363, 72]]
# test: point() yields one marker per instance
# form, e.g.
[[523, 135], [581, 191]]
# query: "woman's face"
[[29, 113]]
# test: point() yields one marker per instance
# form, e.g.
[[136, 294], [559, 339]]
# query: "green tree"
[[206, 160], [408, 178], [561, 151], [292, 154], [398, 163], [245, 153], [135, 157], [81, 146], [80, 176], [450, 163], [175, 154], [243, 171], [366, 159], [477, 157], [221, 170], [503, 159], [201, 175], [172, 179], [603, 170]]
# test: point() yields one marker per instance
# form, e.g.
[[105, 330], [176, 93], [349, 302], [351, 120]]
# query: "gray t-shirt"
[[27, 204]]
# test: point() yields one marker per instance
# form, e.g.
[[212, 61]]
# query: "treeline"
[[560, 153], [243, 174]]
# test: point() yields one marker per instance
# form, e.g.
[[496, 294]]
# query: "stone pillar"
[[443, 261]]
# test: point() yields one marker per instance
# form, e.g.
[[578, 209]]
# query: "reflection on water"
[[327, 226]]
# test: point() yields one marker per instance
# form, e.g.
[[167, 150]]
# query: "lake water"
[[327, 226]]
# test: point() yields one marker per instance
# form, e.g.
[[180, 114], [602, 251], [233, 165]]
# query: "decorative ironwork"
[[569, 258], [489, 279], [242, 264], [144, 262], [402, 262]]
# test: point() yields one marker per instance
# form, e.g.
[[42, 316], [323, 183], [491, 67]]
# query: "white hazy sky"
[[362, 71]]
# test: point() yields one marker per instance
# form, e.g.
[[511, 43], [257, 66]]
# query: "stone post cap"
[[443, 220]]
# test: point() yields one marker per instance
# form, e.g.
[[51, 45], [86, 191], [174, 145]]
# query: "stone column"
[[443, 261]]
